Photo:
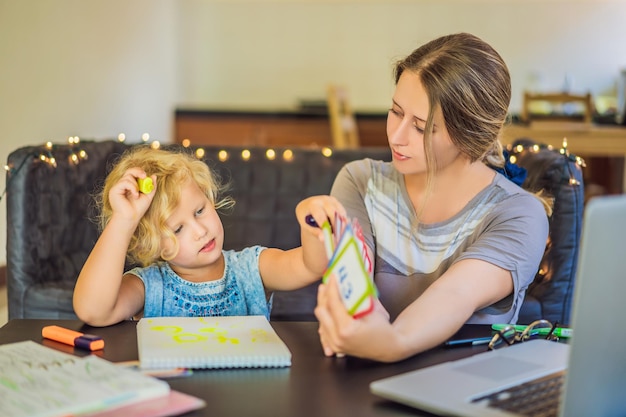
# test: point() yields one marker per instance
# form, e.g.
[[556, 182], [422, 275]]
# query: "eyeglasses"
[[537, 329]]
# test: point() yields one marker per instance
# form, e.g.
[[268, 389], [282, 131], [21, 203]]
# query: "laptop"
[[592, 363]]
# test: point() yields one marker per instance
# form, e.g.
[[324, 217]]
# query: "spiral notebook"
[[210, 342]]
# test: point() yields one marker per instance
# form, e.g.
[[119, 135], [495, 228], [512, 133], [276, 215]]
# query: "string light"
[[288, 155], [520, 148], [223, 156], [45, 154], [270, 154]]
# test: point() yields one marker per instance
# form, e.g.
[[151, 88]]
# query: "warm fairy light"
[[74, 158], [48, 145], [52, 161], [519, 149], [200, 153], [82, 154], [270, 154], [327, 152], [580, 161], [121, 137], [7, 168], [222, 155], [145, 137], [245, 154], [288, 155], [186, 143], [155, 145]]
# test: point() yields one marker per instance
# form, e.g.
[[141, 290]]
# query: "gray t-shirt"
[[503, 224], [240, 292]]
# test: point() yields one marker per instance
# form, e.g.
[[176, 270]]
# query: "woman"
[[454, 241]]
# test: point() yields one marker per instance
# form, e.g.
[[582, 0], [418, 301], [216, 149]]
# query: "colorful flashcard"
[[352, 267]]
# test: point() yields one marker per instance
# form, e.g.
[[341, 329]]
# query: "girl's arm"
[[298, 267], [435, 316], [103, 295]]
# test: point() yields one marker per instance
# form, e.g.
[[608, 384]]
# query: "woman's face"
[[405, 129]]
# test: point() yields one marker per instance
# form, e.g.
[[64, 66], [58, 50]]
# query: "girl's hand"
[[322, 208], [126, 200], [340, 333]]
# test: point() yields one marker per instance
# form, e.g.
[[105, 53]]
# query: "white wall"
[[100, 67], [88, 68], [272, 53]]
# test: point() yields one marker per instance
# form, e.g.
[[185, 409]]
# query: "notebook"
[[593, 360], [38, 381], [210, 342]]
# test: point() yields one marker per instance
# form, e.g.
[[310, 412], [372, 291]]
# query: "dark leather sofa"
[[50, 231]]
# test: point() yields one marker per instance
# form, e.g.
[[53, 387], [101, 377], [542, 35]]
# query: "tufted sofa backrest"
[[50, 213], [50, 230]]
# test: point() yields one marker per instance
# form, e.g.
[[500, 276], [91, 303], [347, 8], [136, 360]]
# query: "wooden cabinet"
[[279, 128]]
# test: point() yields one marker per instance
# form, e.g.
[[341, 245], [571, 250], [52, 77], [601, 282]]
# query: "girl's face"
[[198, 229], [405, 128]]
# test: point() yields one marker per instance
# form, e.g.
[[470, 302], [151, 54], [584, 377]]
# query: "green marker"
[[559, 331], [145, 185]]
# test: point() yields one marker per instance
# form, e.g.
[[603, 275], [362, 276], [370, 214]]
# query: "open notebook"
[[210, 342], [593, 361], [37, 381]]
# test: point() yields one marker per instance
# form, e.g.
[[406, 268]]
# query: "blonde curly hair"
[[172, 169]]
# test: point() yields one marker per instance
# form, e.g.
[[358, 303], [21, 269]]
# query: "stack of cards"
[[351, 265]]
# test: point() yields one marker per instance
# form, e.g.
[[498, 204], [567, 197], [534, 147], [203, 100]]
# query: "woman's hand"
[[340, 333]]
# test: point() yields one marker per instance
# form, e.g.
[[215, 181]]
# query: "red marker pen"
[[72, 338]]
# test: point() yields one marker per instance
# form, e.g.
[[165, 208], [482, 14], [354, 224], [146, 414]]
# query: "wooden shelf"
[[270, 128]]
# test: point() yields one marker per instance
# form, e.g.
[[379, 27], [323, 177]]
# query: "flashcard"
[[329, 241], [353, 272]]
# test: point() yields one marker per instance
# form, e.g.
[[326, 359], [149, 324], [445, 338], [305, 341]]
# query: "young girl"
[[175, 234]]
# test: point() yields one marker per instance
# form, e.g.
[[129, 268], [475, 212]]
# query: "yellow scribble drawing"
[[189, 338], [220, 334], [167, 329], [224, 339], [259, 335]]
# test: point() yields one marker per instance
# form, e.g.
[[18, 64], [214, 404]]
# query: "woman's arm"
[[430, 320], [103, 295]]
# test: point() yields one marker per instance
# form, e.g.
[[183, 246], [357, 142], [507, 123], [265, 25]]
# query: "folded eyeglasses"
[[535, 330]]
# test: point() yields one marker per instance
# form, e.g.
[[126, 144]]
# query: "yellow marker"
[[145, 185]]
